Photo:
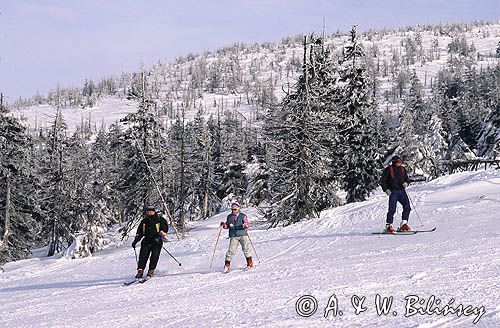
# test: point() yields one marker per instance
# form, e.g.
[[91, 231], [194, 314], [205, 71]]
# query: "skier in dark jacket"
[[394, 181], [153, 228]]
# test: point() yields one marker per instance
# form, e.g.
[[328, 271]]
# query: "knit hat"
[[395, 159], [149, 208]]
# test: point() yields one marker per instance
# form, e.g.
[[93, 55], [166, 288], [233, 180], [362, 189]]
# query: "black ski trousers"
[[149, 248]]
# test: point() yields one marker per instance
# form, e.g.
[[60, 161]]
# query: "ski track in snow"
[[335, 254]]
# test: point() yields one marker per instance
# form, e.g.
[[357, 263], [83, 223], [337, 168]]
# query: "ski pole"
[[251, 243], [418, 216], [215, 247], [171, 255], [157, 187], [136, 260]]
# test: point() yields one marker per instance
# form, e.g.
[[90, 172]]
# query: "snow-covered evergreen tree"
[[489, 138], [464, 99], [257, 173], [432, 149], [412, 120], [202, 164], [181, 191], [234, 182], [89, 198], [359, 134], [471, 106], [421, 140], [18, 222], [142, 160], [299, 142], [57, 178]]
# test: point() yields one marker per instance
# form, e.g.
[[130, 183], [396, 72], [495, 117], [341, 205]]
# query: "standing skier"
[[237, 223], [394, 181], [153, 228]]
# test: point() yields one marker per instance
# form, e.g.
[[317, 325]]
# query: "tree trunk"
[[182, 187], [206, 191], [7, 213]]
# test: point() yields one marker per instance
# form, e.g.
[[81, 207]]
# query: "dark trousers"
[[395, 197], [149, 248]]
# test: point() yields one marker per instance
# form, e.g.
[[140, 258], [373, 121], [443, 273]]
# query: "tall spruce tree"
[[202, 166], [179, 160], [143, 161], [232, 183], [299, 142], [413, 123], [57, 201], [88, 202], [360, 136], [18, 222]]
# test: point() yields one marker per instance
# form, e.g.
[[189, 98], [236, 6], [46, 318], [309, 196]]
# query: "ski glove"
[[405, 184], [388, 192], [136, 240]]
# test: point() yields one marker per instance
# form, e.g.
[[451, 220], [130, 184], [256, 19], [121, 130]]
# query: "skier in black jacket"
[[394, 181], [153, 228]]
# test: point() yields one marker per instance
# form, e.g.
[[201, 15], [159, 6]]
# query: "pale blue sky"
[[43, 43]]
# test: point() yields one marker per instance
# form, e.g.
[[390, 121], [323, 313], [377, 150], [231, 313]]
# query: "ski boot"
[[150, 273], [389, 229], [404, 226], [249, 263], [226, 266], [139, 273]]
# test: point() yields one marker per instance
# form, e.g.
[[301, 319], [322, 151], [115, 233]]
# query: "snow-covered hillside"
[[238, 78], [106, 112], [334, 255]]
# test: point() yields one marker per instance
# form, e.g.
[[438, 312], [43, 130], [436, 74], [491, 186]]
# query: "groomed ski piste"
[[335, 259]]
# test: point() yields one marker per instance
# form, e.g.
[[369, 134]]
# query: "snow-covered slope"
[[278, 64], [334, 255], [106, 112]]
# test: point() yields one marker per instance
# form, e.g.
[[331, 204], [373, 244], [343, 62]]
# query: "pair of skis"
[[242, 269], [411, 232], [143, 280], [137, 280]]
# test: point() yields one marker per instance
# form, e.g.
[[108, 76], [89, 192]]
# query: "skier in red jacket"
[[394, 181]]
